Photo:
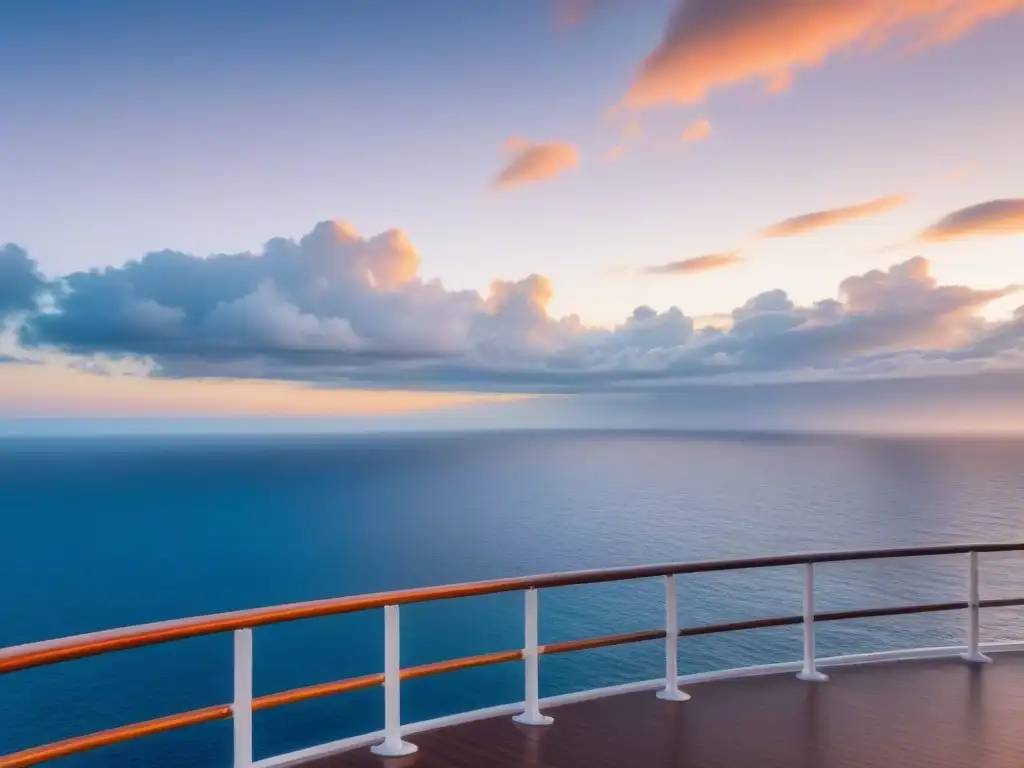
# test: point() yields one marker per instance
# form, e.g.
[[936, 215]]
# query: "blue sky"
[[211, 128]]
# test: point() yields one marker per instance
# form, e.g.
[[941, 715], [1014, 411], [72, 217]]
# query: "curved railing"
[[241, 623]]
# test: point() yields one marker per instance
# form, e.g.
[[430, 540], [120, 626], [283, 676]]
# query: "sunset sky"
[[380, 208]]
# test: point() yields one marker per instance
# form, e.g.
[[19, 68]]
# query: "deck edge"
[[339, 746]]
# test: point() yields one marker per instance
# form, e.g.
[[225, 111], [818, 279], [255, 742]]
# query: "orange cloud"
[[516, 144], [957, 173], [614, 154], [570, 13], [780, 83], [710, 44], [811, 222], [533, 162], [633, 130], [996, 217], [697, 265], [697, 131]]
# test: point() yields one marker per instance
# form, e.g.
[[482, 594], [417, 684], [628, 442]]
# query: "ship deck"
[[913, 707], [912, 714]]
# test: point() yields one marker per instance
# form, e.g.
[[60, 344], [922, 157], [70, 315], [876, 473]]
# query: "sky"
[[513, 212]]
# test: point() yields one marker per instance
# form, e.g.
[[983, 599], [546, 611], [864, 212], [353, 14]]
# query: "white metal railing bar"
[[241, 707], [974, 654], [531, 714], [810, 672], [392, 746], [671, 691]]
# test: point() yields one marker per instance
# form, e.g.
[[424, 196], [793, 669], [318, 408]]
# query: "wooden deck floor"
[[922, 714]]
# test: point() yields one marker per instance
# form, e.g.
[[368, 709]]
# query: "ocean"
[[105, 532]]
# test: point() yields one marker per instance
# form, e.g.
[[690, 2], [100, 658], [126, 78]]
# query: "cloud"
[[780, 83], [335, 308], [614, 153], [570, 13], [958, 173], [516, 144], [533, 162], [698, 264], [20, 282], [632, 130], [710, 44], [996, 217], [697, 131], [812, 222], [889, 323], [331, 295]]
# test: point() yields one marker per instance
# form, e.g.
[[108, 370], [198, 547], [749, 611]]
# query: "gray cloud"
[[338, 309], [996, 217], [20, 282], [706, 263], [879, 315], [333, 295]]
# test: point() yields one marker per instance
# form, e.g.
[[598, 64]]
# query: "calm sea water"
[[100, 533]]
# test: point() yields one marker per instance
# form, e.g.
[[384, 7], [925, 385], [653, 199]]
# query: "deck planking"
[[939, 713]]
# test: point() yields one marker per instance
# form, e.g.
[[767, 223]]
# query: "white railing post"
[[241, 707], [392, 746], [671, 690], [974, 654], [810, 672], [531, 663]]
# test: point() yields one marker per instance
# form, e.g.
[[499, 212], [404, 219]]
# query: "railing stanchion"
[[810, 672], [393, 745], [974, 654], [531, 662], [671, 690], [241, 707]]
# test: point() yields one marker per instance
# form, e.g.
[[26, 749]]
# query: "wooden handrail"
[[316, 691], [1004, 602], [41, 754], [466, 662], [601, 642], [65, 649], [37, 755], [50, 652]]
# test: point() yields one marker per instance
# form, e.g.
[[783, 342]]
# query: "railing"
[[241, 623]]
